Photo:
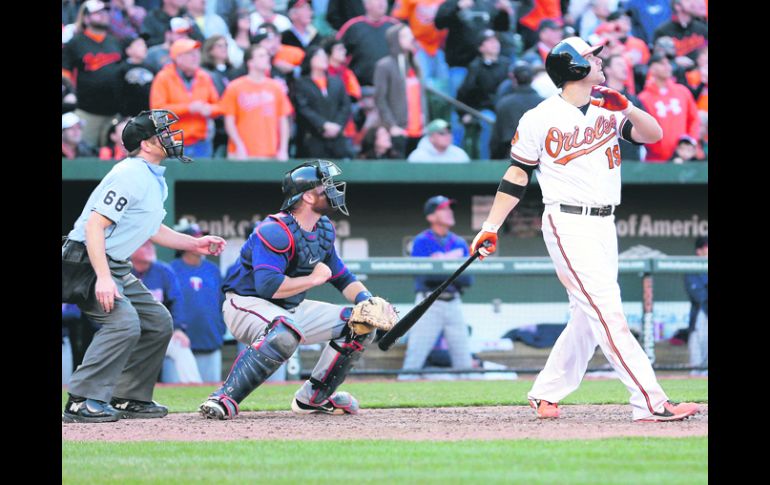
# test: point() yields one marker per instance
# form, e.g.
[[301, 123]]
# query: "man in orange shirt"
[[430, 41], [256, 110], [187, 90]]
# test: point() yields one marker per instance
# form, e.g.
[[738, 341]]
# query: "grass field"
[[627, 461], [277, 397]]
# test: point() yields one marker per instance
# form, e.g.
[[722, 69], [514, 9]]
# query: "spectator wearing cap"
[[686, 150], [364, 38], [160, 279], [135, 77], [114, 149], [616, 76], [256, 110], [323, 109], [466, 21], [485, 74], [284, 59], [549, 33], [158, 55], [302, 33], [264, 12], [157, 22], [436, 146], [689, 32], [187, 90], [72, 143], [620, 27], [126, 19], [91, 60], [339, 12], [430, 54], [445, 315], [510, 108], [697, 287], [673, 107], [200, 282], [399, 91]]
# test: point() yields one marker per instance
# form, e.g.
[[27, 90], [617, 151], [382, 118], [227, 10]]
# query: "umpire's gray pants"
[[126, 354], [442, 315]]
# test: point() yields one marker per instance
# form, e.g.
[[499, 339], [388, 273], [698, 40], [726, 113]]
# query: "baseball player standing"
[[265, 303], [120, 367], [446, 314], [572, 139]]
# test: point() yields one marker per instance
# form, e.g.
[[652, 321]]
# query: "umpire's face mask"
[[335, 191]]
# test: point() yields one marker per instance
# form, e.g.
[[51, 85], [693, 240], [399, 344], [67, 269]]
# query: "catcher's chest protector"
[[309, 248]]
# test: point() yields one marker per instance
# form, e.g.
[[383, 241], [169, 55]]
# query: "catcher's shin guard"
[[253, 367], [336, 361]]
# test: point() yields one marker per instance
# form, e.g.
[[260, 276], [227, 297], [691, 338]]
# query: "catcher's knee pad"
[[335, 364], [260, 360]]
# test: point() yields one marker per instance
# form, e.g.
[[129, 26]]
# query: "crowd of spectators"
[[363, 79]]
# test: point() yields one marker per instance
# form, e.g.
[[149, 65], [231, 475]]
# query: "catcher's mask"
[[156, 122], [310, 175]]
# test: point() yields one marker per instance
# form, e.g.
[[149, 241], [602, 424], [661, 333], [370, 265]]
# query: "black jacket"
[[688, 39], [340, 11], [465, 28], [509, 111], [480, 85], [157, 22], [313, 110]]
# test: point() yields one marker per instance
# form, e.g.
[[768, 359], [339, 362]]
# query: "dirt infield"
[[443, 424]]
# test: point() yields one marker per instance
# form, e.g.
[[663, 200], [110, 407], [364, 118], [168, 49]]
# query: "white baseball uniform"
[[578, 160]]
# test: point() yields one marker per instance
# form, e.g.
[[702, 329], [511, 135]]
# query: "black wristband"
[[510, 188]]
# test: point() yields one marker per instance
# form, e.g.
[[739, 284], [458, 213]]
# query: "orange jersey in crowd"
[[169, 92], [289, 54], [694, 79], [414, 105], [421, 15], [543, 9], [257, 107], [674, 108]]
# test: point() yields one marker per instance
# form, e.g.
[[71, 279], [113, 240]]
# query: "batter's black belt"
[[603, 211]]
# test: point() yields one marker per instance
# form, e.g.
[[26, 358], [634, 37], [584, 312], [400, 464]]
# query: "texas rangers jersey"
[[575, 150]]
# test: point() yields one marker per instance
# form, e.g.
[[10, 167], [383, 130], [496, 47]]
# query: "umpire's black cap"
[[138, 128]]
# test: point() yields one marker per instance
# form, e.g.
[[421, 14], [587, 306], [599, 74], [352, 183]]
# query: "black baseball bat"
[[408, 321]]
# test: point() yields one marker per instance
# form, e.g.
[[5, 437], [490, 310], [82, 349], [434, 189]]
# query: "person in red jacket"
[[672, 105], [187, 90]]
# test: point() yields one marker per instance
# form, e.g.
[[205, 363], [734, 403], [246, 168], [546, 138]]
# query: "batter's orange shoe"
[[673, 412], [545, 409]]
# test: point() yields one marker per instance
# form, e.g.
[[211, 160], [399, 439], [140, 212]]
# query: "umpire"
[[121, 366]]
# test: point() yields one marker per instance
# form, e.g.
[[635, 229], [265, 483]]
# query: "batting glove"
[[488, 233], [611, 100]]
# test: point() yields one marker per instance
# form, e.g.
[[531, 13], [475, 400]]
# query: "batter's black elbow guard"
[[510, 188]]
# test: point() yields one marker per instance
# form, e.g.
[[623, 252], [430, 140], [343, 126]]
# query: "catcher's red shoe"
[[672, 412], [545, 409]]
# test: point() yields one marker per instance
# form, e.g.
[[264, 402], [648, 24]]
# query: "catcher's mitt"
[[374, 313]]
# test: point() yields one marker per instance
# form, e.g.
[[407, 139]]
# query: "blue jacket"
[[427, 243], [697, 286], [200, 286], [161, 280]]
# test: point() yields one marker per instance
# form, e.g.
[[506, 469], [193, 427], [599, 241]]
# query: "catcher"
[[265, 307]]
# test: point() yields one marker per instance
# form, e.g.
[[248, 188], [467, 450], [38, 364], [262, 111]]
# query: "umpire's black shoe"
[[133, 409], [82, 410]]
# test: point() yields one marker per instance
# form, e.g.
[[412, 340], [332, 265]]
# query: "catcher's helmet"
[[310, 175], [151, 123], [565, 62]]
